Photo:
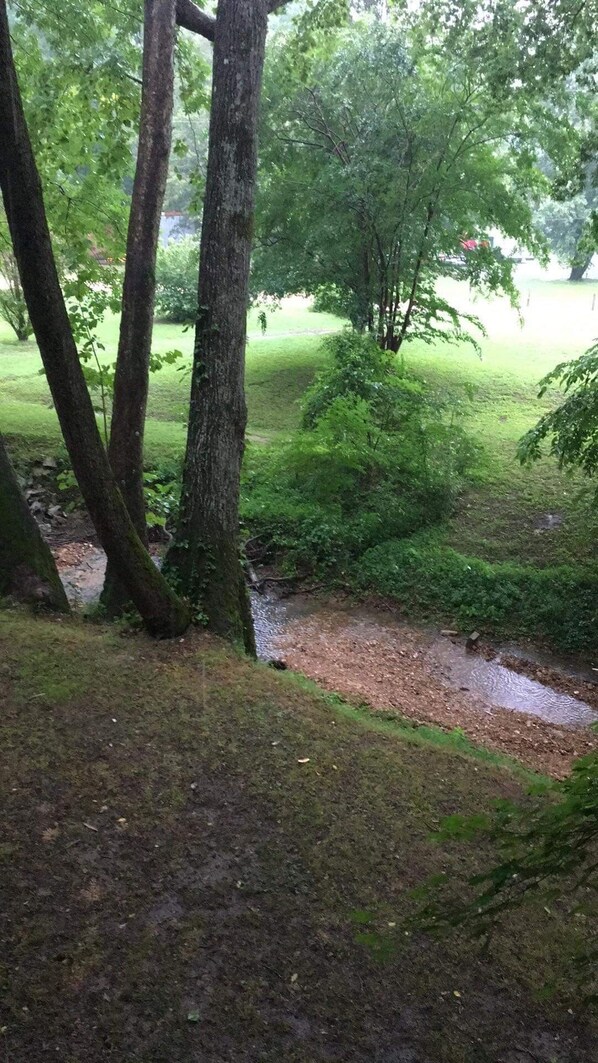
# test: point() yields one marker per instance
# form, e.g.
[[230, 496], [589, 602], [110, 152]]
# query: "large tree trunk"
[[579, 269], [27, 569], [134, 345], [205, 555], [163, 613]]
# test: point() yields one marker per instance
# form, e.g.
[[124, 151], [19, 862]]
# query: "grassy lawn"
[[280, 365], [203, 859], [499, 519]]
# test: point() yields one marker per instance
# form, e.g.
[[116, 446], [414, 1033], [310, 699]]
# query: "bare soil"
[[201, 862]]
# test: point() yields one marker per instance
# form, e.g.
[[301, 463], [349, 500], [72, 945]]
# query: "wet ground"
[[373, 657], [534, 707]]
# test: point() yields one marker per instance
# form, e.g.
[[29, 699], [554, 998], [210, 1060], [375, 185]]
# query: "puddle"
[[549, 521], [505, 688]]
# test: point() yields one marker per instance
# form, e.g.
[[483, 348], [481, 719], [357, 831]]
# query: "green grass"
[[496, 520], [280, 365], [193, 845]]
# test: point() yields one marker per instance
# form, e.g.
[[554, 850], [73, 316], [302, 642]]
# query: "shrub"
[[13, 307], [359, 369], [556, 603], [176, 281], [350, 481]]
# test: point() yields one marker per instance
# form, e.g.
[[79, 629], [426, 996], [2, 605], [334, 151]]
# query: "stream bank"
[[534, 708]]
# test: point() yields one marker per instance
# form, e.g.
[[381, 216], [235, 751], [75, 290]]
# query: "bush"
[[555, 603], [176, 281], [364, 470], [359, 369]]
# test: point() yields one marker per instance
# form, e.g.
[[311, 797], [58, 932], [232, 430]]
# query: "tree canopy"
[[385, 167]]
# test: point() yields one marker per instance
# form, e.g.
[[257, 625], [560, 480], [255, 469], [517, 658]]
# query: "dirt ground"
[[201, 862], [381, 675]]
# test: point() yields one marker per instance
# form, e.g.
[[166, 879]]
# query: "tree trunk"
[[134, 346], [163, 613], [27, 569], [205, 554], [579, 269]]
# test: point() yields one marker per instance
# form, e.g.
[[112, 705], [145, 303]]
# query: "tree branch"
[[191, 17]]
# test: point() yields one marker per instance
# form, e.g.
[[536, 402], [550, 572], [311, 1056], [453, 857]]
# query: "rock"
[[54, 511], [473, 640], [49, 463], [279, 665]]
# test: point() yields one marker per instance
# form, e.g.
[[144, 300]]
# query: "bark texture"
[[139, 285], [205, 554], [579, 270], [163, 613], [27, 569]]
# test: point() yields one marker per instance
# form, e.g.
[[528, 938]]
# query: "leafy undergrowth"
[[204, 860]]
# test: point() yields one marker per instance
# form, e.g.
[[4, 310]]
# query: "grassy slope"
[[497, 520], [179, 887], [280, 365]]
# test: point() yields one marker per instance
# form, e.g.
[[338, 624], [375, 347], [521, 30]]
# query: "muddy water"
[[281, 622]]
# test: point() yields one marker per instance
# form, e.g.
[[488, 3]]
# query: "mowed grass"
[[204, 860], [502, 514], [280, 365]]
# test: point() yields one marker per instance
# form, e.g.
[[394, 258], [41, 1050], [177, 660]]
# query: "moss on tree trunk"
[[27, 569], [205, 555]]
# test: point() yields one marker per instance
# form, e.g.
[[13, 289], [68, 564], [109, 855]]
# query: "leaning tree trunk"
[[134, 345], [163, 613], [205, 554], [579, 269], [27, 569]]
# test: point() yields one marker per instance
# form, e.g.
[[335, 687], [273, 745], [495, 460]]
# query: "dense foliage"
[[387, 165], [13, 307], [558, 604], [571, 429], [378, 456], [176, 277]]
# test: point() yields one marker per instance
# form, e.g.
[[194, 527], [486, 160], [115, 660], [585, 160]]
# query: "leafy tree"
[[571, 230], [571, 429], [131, 378], [380, 166], [176, 270], [13, 307], [204, 558]]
